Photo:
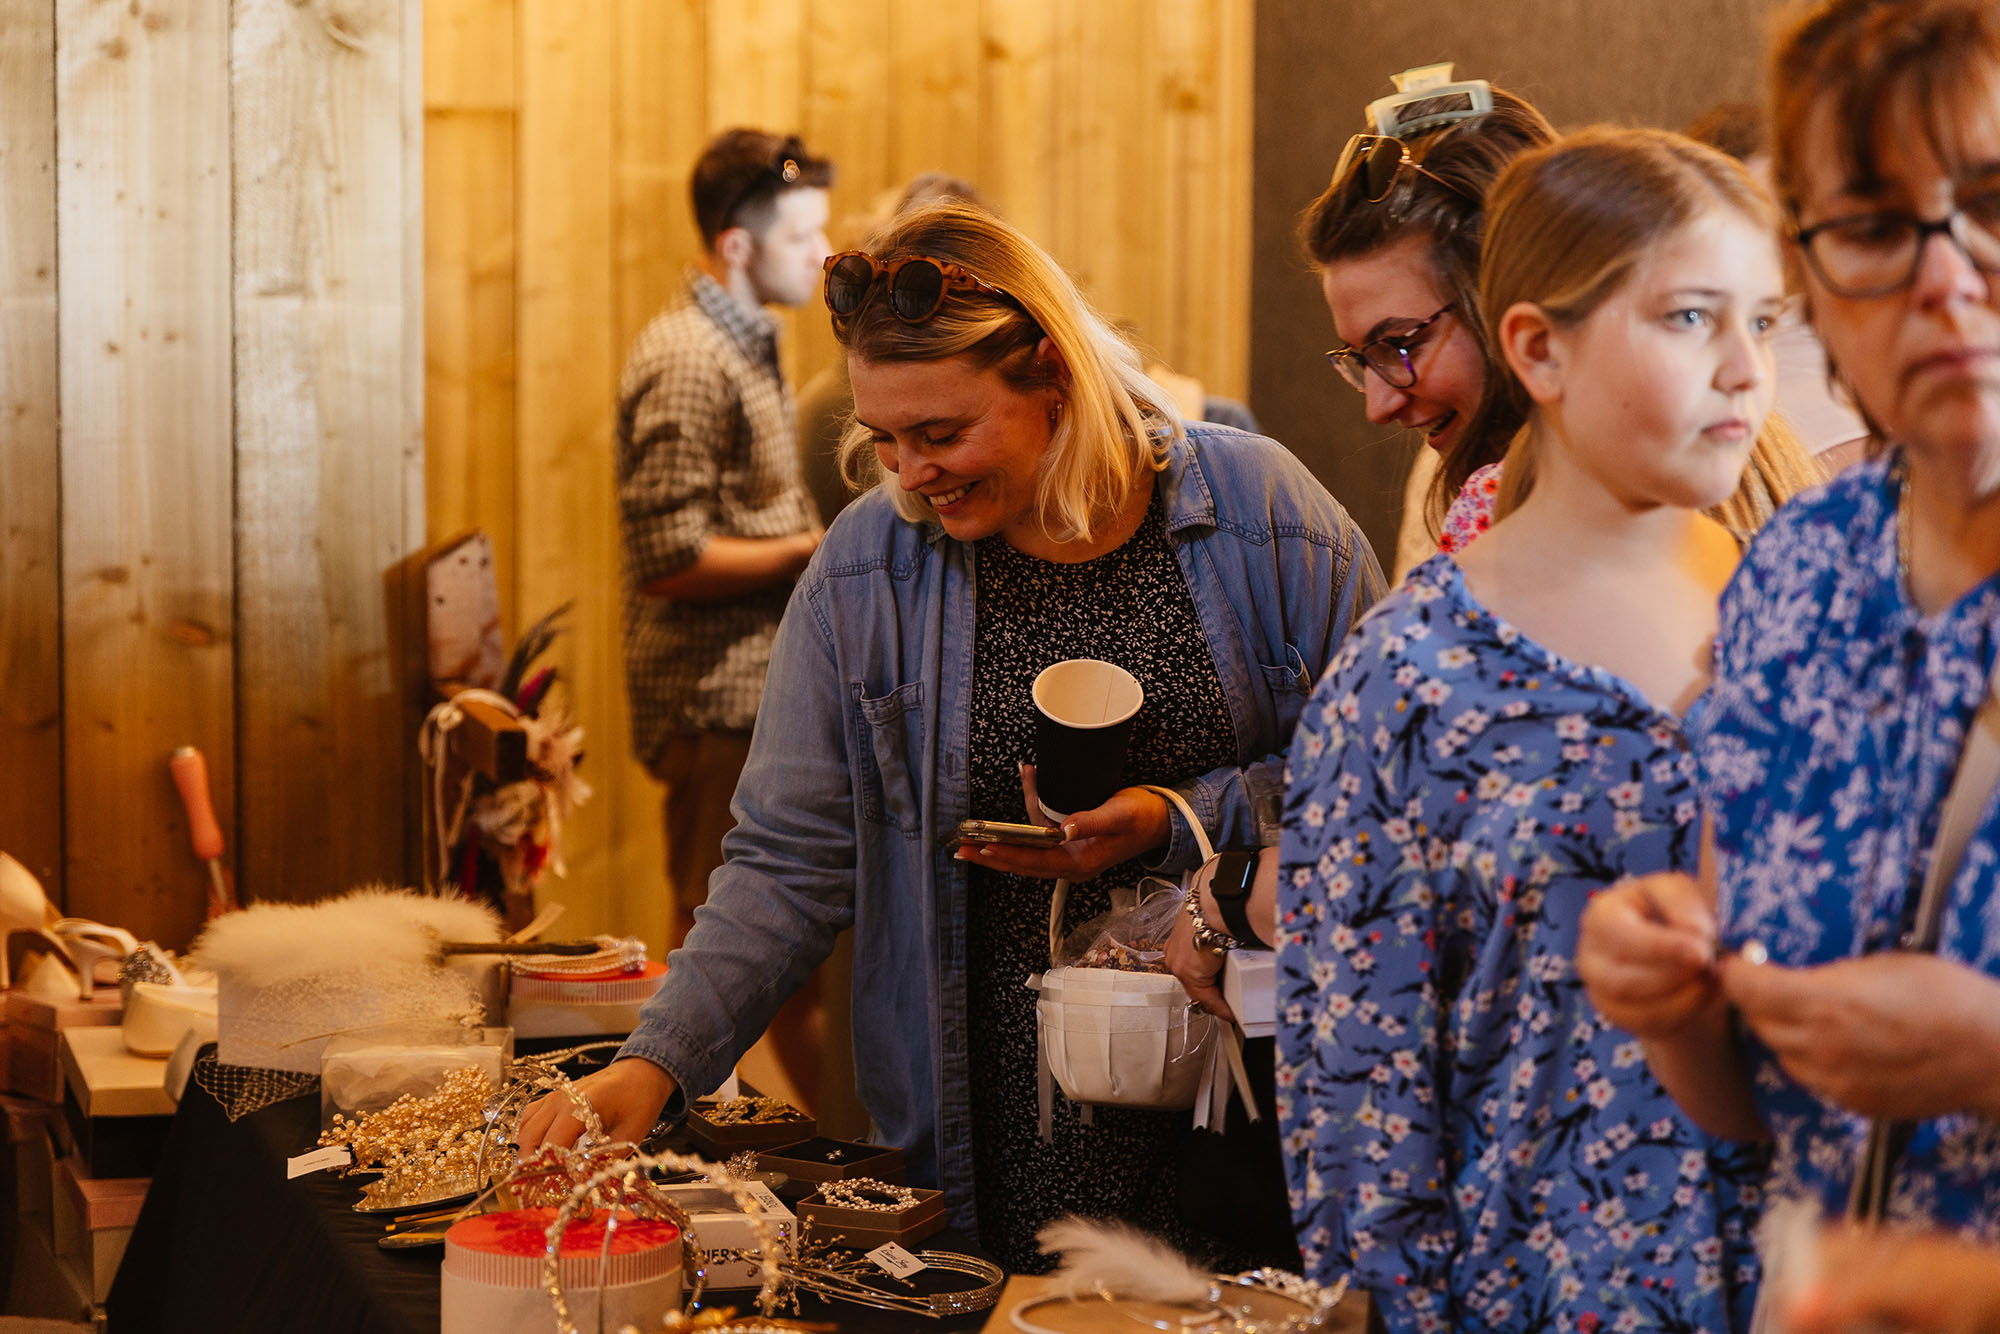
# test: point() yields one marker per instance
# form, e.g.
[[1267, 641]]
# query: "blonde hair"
[[1115, 425], [1567, 225]]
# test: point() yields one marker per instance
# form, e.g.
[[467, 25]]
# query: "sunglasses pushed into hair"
[[1378, 159], [917, 285]]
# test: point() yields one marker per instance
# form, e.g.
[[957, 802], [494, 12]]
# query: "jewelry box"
[[718, 1129], [822, 1159], [868, 1213], [718, 1223]]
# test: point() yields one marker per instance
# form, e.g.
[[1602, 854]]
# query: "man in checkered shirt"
[[715, 521]]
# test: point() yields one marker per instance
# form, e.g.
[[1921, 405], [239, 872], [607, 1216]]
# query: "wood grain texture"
[[568, 535], [31, 460], [148, 588], [1071, 117], [326, 441]]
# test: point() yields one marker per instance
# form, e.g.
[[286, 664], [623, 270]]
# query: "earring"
[[1055, 413]]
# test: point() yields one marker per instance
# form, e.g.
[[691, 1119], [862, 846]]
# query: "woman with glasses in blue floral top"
[[1788, 991]]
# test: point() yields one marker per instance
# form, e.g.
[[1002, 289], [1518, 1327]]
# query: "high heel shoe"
[[92, 944], [41, 966], [23, 907]]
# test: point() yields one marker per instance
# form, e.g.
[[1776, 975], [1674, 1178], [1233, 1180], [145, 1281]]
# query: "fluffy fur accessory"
[[373, 929], [1113, 1259]]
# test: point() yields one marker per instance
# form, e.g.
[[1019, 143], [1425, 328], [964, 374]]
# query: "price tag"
[[896, 1261], [762, 1194], [318, 1160]]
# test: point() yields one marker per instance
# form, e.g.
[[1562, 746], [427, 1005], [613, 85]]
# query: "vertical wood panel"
[[30, 461], [325, 457], [1226, 320], [754, 55], [846, 114], [1018, 124], [935, 56], [568, 535], [143, 199], [658, 126], [470, 264]]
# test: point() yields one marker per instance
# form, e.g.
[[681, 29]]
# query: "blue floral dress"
[[1826, 743], [1462, 1129]]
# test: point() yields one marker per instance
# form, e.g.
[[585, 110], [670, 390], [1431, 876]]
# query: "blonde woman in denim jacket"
[[998, 409]]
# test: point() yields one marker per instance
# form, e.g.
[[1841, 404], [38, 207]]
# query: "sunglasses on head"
[[917, 285], [1377, 159]]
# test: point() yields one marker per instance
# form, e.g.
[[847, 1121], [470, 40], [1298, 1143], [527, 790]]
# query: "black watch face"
[[1235, 873]]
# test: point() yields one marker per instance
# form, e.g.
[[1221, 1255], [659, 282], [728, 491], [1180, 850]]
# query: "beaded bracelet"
[[867, 1193]]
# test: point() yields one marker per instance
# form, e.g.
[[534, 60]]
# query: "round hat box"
[[572, 1005], [492, 1276]]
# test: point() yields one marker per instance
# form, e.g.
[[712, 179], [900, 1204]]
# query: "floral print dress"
[[1463, 1131], [1827, 742]]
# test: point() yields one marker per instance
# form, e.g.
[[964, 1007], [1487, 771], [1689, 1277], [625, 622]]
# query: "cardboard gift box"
[[35, 1026], [721, 1140], [865, 1229], [1250, 985], [116, 1109], [717, 1222], [823, 1159], [93, 1220]]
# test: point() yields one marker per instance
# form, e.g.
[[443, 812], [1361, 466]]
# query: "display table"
[[225, 1243]]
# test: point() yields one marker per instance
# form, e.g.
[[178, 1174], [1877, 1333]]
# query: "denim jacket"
[[859, 772]]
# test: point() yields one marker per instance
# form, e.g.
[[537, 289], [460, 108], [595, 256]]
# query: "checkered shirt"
[[705, 448]]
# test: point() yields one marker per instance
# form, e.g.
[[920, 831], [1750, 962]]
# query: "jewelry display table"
[[225, 1244]]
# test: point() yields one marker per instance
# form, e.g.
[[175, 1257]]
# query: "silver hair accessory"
[[828, 1269], [1427, 99]]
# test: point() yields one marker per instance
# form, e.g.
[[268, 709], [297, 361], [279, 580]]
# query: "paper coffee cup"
[[1083, 720]]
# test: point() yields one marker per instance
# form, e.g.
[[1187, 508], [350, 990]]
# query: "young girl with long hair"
[[1500, 739]]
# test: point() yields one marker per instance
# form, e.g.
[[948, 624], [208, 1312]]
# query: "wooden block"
[[102, 1010], [33, 1070]]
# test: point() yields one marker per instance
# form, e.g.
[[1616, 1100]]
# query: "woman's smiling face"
[[1391, 291], [960, 436]]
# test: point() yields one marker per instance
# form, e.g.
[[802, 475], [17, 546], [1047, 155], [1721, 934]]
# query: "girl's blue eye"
[[1691, 317]]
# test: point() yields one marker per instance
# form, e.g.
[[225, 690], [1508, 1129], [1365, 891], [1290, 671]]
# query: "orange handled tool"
[[191, 777]]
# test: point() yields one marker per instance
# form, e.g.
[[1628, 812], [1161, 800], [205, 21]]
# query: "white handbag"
[[1111, 1037]]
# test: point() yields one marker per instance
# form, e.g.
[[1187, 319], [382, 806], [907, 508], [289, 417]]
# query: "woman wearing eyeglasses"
[[1395, 236], [1036, 499], [1799, 987]]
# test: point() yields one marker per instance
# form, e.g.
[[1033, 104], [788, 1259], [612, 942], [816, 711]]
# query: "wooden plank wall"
[[213, 291], [560, 135]]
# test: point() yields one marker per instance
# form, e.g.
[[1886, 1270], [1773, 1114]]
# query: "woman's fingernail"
[[1754, 952], [1069, 831]]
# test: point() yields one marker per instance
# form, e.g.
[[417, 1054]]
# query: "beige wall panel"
[[659, 127], [143, 198], [30, 461], [568, 535], [326, 448], [755, 49], [468, 54], [1018, 128], [846, 114], [935, 55]]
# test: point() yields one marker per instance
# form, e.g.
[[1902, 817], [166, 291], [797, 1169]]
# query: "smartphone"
[[999, 831]]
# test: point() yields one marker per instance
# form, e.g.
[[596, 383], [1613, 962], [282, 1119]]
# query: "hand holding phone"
[[999, 831]]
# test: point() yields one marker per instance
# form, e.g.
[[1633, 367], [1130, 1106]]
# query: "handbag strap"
[[1059, 899], [1978, 774]]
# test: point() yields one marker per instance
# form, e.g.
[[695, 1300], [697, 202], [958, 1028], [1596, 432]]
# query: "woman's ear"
[[1529, 343], [1050, 359]]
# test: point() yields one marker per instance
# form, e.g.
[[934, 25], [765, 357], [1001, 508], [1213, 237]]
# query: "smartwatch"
[[1235, 875]]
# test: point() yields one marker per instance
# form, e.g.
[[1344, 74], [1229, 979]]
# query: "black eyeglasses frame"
[[1354, 363]]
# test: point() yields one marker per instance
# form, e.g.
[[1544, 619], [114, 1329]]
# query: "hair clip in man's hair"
[[1427, 99], [790, 171]]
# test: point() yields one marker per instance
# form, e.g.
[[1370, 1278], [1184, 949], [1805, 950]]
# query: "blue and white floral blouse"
[[1826, 743], [1462, 1129]]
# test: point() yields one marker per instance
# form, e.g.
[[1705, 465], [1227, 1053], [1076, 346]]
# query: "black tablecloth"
[[225, 1243]]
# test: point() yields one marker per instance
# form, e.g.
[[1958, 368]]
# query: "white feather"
[[1121, 1261], [373, 927]]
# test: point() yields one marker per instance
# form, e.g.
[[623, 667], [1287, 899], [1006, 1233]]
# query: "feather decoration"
[[1117, 1260], [373, 931]]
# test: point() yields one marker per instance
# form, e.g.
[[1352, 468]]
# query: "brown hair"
[[1114, 423], [1934, 57], [737, 179], [1566, 227], [1343, 224]]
